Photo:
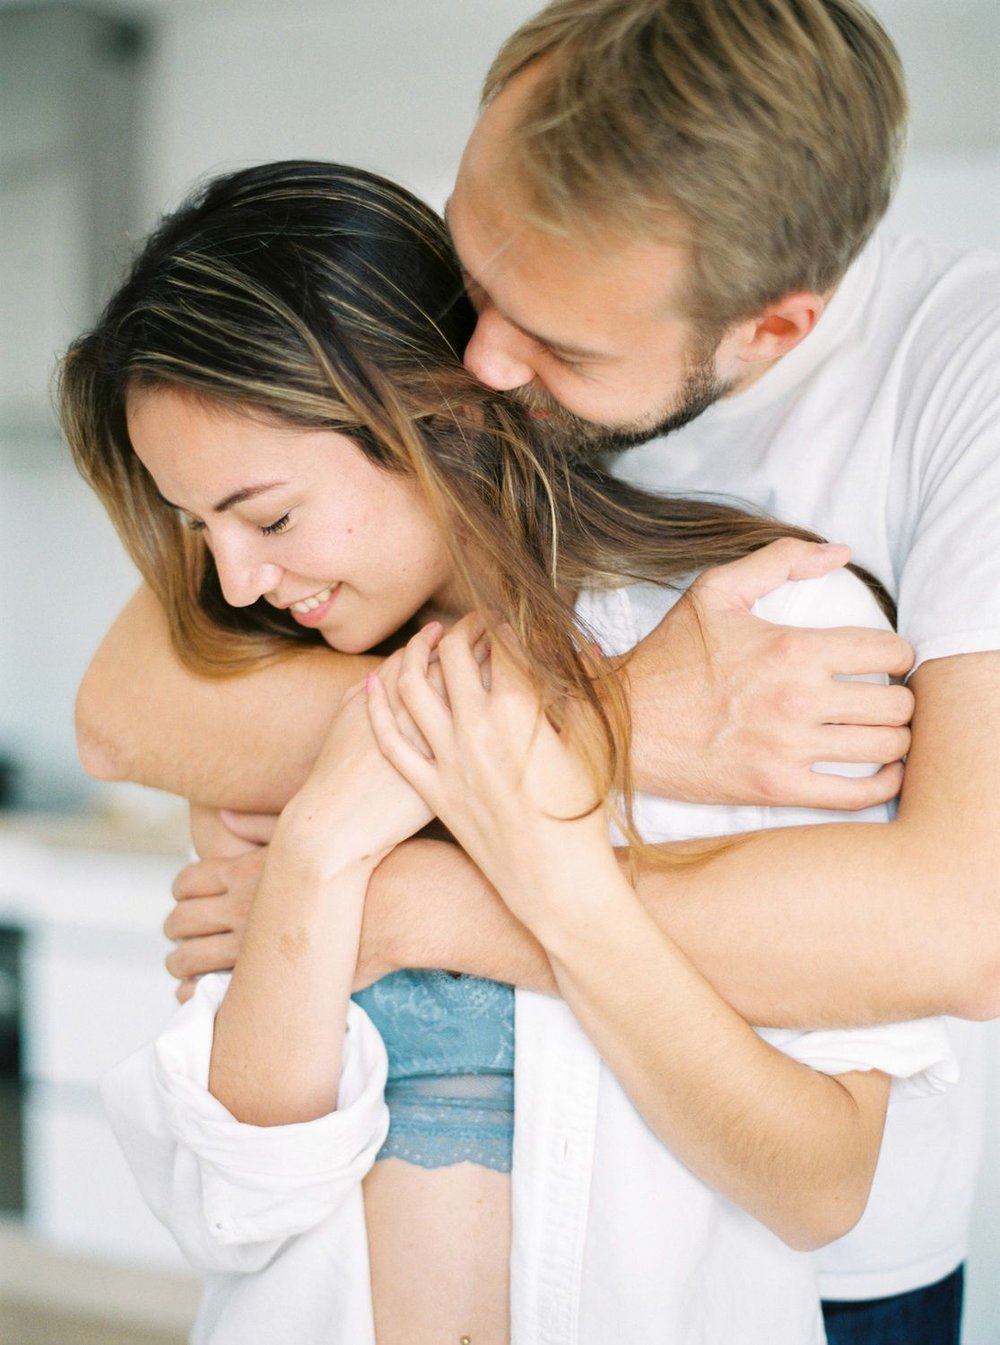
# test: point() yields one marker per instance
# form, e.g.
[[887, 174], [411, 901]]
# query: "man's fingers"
[[197, 916], [186, 989], [196, 957], [852, 793], [871, 745], [870, 703], [742, 582], [204, 878], [840, 793], [254, 828], [852, 651]]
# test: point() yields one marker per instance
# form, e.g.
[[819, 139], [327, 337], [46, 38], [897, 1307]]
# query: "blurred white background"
[[109, 111]]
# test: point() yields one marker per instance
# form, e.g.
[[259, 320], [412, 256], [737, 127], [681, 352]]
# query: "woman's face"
[[299, 517]]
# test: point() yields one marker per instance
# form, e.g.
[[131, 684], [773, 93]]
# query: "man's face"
[[581, 329]]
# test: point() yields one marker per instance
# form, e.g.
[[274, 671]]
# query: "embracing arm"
[[844, 923], [244, 742], [752, 715], [853, 922], [823, 924], [794, 1147]]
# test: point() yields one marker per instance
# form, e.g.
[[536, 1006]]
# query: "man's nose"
[[498, 354]]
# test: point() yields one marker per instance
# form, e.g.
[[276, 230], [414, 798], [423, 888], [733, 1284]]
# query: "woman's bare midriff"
[[439, 1244]]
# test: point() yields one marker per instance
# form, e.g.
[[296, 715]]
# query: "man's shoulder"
[[929, 280]]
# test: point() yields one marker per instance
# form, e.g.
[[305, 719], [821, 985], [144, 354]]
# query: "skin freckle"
[[293, 945]]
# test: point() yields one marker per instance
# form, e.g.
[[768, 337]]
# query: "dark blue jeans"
[[931, 1316]]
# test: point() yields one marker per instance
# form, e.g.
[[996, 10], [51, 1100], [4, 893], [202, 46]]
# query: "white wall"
[[391, 86]]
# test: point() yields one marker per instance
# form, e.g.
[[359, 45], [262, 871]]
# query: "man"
[[663, 214]]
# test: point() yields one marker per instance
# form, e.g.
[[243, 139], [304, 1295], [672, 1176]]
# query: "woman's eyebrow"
[[237, 497], [247, 493]]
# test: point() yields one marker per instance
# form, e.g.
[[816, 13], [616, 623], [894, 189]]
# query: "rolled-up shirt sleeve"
[[233, 1194], [919, 1056]]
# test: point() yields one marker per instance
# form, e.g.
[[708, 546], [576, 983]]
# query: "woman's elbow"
[[828, 1214]]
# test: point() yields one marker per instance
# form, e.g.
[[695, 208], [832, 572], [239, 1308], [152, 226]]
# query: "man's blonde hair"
[[766, 135]]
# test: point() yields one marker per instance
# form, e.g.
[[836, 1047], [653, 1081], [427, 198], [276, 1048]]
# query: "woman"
[[274, 411]]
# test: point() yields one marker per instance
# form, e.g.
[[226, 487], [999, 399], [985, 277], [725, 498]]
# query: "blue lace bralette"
[[450, 1090]]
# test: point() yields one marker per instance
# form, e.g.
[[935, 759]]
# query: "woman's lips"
[[319, 606]]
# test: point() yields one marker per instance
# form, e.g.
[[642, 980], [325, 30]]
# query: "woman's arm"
[[279, 1034], [796, 1148]]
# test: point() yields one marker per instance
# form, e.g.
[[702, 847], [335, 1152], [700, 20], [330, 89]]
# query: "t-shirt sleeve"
[[919, 1055], [948, 485], [233, 1194]]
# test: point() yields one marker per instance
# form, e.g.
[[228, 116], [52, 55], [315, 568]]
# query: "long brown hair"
[[325, 297]]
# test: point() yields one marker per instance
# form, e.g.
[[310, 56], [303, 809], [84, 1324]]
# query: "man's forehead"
[[577, 295]]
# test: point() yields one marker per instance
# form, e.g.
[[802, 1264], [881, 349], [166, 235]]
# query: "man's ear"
[[780, 326]]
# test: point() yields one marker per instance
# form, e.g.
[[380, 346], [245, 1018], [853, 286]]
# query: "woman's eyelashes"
[[266, 529]]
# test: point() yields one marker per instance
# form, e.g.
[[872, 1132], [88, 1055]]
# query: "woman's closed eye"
[[266, 529]]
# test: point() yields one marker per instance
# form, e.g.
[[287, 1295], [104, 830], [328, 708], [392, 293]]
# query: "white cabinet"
[[95, 989]]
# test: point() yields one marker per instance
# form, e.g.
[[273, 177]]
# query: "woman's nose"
[[242, 577], [498, 354]]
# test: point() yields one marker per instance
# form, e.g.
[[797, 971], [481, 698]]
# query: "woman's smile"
[[311, 611], [336, 562]]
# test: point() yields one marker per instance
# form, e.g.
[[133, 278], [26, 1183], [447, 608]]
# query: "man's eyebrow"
[[237, 497], [556, 347]]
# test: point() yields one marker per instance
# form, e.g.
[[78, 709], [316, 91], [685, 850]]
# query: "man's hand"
[[729, 708], [213, 899]]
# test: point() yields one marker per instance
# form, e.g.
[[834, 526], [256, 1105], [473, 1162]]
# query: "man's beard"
[[578, 438]]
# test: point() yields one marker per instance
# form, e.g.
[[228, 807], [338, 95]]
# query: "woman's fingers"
[[407, 663], [397, 748], [466, 656], [425, 697]]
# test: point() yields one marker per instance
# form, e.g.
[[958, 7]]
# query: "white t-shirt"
[[882, 429], [611, 1234]]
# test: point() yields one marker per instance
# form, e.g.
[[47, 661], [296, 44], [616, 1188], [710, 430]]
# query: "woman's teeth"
[[310, 604]]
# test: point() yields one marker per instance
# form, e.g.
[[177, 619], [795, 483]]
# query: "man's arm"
[[858, 922], [845, 923], [748, 711], [834, 924], [245, 742]]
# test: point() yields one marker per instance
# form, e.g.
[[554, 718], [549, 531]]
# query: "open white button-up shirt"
[[612, 1237]]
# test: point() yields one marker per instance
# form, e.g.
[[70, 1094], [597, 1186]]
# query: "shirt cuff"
[[263, 1182], [919, 1055]]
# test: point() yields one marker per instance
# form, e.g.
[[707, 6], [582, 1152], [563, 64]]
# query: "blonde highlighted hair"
[[765, 135]]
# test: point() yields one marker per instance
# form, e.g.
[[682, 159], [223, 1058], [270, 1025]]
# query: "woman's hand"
[[353, 796], [513, 793]]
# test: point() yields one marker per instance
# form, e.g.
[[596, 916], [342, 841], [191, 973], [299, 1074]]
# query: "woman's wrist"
[[314, 844], [573, 884]]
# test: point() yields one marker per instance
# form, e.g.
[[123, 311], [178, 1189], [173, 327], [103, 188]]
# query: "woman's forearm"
[[279, 1034], [795, 1148]]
